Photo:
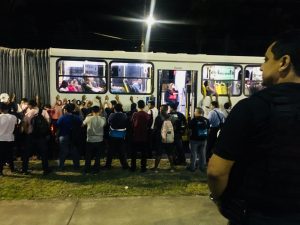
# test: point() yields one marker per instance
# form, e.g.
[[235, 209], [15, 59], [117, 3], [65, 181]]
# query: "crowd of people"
[[79, 129]]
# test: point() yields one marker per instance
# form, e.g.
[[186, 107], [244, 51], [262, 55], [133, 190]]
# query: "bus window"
[[253, 80], [81, 76], [131, 78], [222, 79]]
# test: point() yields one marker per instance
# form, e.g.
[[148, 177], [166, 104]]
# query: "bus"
[[149, 75]]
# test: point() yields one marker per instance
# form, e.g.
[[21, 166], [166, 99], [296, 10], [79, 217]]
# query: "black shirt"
[[263, 174]]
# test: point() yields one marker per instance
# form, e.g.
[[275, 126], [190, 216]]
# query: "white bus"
[[74, 73]]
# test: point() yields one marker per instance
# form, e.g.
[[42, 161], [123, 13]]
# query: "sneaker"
[[172, 170]]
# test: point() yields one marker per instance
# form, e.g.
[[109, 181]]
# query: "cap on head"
[[4, 97]]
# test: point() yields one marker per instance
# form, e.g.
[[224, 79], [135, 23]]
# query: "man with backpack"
[[254, 172], [179, 123], [37, 130], [69, 126], [199, 129], [216, 119], [164, 133]]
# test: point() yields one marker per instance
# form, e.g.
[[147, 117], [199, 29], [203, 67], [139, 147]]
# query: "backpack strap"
[[218, 116]]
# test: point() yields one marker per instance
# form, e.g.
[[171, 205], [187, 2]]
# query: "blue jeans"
[[66, 148], [198, 149]]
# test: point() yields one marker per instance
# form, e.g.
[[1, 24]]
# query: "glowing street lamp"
[[150, 21]]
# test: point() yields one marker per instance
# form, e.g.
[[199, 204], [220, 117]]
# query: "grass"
[[112, 183]]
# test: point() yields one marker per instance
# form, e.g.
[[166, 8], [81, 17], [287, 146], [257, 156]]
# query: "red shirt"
[[141, 122]]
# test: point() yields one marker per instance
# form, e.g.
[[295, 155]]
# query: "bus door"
[[178, 87]]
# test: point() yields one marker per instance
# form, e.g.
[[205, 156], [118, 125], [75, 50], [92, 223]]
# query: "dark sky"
[[230, 27]]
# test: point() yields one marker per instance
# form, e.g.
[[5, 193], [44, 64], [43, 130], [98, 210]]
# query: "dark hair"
[[24, 99], [141, 104], [69, 107], [95, 109], [288, 43], [32, 102], [174, 105], [118, 107], [215, 104], [113, 102], [164, 111], [133, 106], [151, 102], [63, 84], [227, 105]]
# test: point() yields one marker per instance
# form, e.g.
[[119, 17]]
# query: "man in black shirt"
[[254, 172]]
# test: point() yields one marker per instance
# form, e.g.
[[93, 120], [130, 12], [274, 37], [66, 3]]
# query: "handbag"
[[117, 133]]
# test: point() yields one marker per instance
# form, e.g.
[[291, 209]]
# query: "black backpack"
[[40, 126], [201, 130]]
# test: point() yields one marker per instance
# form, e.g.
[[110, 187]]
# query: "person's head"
[[32, 104], [4, 97], [95, 109], [141, 104], [215, 104], [64, 84], [164, 110], [199, 112], [113, 103], [282, 59], [69, 108], [173, 106], [171, 86], [151, 104], [227, 105], [118, 108], [133, 107], [205, 83]]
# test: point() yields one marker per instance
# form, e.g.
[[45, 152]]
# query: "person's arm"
[[218, 173]]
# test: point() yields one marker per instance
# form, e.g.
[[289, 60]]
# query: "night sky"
[[228, 27]]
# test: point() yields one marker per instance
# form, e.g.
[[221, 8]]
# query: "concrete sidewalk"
[[191, 210]]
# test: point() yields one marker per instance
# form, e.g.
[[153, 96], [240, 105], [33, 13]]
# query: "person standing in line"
[[117, 131], [153, 112], [35, 139], [169, 148], [216, 119], [141, 122], [94, 142], [254, 172], [199, 129], [68, 126], [8, 123]]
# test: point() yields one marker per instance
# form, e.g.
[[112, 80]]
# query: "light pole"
[[149, 21]]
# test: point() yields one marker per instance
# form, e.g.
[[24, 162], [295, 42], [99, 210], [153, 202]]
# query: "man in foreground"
[[254, 173]]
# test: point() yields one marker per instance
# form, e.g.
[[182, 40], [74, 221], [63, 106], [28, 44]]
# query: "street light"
[[149, 21]]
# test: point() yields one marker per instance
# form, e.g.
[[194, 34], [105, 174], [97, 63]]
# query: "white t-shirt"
[[7, 125], [155, 114], [95, 126]]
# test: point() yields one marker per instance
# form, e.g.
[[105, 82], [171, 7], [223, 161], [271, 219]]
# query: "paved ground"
[[192, 210]]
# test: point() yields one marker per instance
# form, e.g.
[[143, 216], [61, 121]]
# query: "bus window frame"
[[224, 64], [133, 62], [244, 77], [81, 59]]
